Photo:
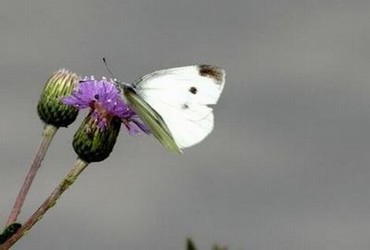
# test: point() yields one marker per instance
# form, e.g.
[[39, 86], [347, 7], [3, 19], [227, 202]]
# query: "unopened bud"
[[50, 108]]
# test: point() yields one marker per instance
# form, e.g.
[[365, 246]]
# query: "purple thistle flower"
[[106, 102]]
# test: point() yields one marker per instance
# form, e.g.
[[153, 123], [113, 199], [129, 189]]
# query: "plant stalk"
[[71, 177], [47, 137]]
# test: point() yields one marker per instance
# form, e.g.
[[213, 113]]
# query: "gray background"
[[287, 166]]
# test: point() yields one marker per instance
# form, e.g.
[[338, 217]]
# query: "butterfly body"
[[174, 103]]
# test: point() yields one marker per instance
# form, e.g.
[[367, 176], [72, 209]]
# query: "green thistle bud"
[[92, 143], [190, 244], [50, 108], [9, 231]]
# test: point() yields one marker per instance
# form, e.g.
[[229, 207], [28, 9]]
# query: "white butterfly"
[[174, 103]]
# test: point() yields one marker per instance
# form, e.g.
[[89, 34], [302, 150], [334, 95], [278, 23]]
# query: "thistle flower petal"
[[105, 100], [97, 135]]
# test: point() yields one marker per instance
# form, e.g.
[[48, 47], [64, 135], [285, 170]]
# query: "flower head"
[[106, 102], [97, 135]]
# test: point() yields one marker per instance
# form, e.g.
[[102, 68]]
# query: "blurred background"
[[286, 167]]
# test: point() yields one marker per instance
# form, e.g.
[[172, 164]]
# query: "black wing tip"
[[213, 72]]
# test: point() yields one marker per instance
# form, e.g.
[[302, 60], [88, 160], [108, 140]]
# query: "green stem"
[[71, 177], [48, 134]]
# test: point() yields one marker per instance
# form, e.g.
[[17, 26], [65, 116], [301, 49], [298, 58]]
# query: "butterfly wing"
[[153, 120], [188, 126], [179, 97]]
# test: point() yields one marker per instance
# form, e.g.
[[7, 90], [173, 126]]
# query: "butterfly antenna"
[[119, 83], [108, 69]]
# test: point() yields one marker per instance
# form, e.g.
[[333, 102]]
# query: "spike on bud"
[[50, 108], [91, 142]]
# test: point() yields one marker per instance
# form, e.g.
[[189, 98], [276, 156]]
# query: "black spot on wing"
[[212, 72], [193, 90]]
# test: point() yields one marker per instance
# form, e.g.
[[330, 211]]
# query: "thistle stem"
[[71, 177], [47, 137]]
